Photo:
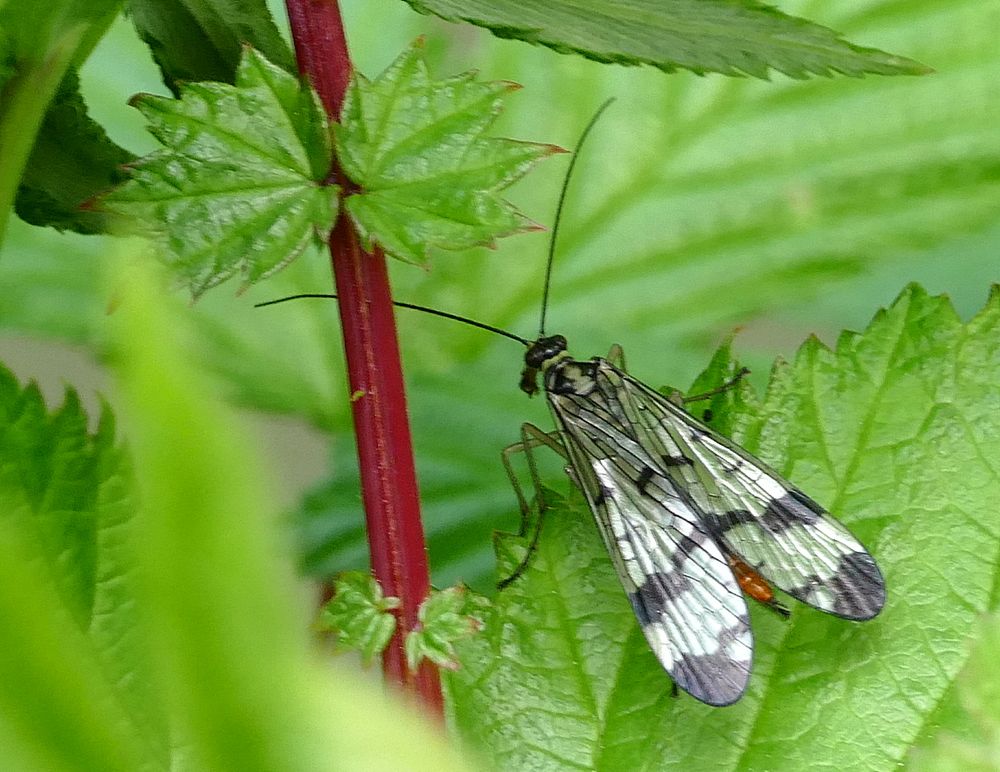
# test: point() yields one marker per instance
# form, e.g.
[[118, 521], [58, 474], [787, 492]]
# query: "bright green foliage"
[[896, 431], [201, 39], [238, 187], [968, 737], [429, 175], [174, 637], [226, 615], [700, 203], [446, 617], [359, 614], [727, 36], [74, 681]]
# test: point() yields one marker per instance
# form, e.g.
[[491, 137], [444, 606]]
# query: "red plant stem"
[[385, 451]]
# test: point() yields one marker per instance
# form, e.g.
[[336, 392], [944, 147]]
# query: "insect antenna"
[[415, 307], [559, 208]]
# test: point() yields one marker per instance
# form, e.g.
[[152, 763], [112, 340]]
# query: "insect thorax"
[[570, 376]]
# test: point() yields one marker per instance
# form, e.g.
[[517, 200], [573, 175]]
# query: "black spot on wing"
[[791, 509], [695, 435], [718, 524], [650, 599], [859, 587], [669, 460], [687, 545], [645, 476], [716, 679]]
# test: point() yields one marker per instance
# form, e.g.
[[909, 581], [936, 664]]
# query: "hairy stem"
[[385, 451]]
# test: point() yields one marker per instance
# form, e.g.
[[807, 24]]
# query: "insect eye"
[[535, 355]]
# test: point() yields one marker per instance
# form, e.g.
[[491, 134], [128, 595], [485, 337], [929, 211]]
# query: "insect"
[[690, 520]]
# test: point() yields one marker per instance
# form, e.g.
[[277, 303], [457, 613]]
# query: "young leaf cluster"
[[360, 617], [241, 185]]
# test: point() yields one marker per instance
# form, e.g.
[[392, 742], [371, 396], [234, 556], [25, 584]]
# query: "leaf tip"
[[137, 100]]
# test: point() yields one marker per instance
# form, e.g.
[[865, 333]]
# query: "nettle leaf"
[[71, 642], [446, 617], [429, 175], [239, 186], [359, 614], [896, 431], [732, 37]]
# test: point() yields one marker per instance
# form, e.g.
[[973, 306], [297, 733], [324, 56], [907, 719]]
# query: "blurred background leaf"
[[202, 40], [77, 688], [700, 204], [173, 635]]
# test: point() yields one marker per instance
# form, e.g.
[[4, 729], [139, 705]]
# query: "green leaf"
[[72, 161], [238, 188], [359, 615], [429, 176], [202, 39], [700, 204], [446, 617], [968, 740], [728, 36], [76, 687], [897, 431]]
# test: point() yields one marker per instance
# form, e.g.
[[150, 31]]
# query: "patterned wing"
[[755, 514], [678, 580]]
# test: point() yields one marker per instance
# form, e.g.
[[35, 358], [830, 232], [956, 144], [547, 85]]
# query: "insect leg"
[[616, 356], [742, 373], [531, 437]]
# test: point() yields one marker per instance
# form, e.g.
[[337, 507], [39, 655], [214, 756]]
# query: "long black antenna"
[[425, 309], [559, 208]]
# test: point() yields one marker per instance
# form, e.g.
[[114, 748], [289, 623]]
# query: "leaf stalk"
[[385, 451]]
